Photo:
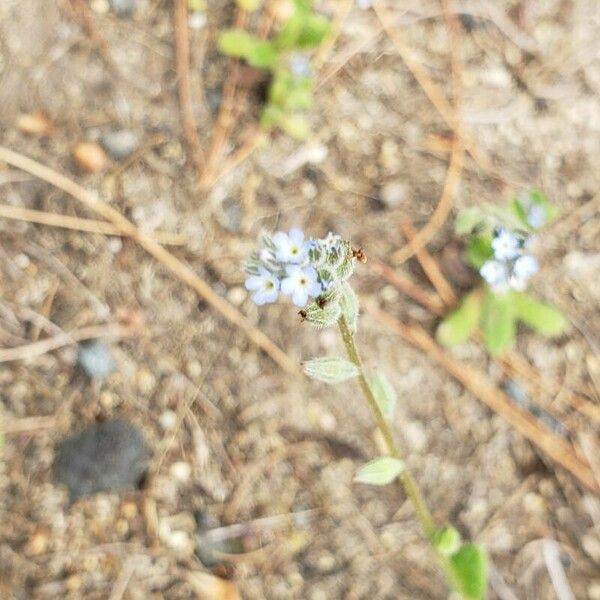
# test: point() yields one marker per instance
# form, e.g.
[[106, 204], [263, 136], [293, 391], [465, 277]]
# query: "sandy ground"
[[253, 441]]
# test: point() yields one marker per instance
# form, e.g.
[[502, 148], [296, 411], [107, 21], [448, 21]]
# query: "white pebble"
[[181, 471], [167, 420]]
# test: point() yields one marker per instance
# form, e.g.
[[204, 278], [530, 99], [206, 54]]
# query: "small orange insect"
[[359, 255]]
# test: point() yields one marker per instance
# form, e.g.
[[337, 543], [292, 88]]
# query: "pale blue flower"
[[536, 216], [301, 283], [265, 287], [300, 65], [290, 248], [525, 267], [495, 273], [506, 245]]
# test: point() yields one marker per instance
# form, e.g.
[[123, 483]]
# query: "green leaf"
[[292, 29], [385, 394], [540, 199], [249, 5], [541, 317], [349, 305], [241, 44], [330, 370], [468, 568], [381, 471], [467, 220], [458, 326], [498, 321], [447, 540], [479, 249], [316, 29]]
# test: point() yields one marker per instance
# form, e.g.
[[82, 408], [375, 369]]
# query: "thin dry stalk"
[[80, 224], [406, 286], [29, 351], [552, 444], [177, 267], [225, 116], [442, 210], [182, 48], [430, 266]]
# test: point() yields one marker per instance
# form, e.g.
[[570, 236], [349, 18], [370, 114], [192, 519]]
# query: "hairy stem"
[[408, 482]]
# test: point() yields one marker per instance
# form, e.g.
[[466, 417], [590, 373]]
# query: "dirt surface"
[[234, 438]]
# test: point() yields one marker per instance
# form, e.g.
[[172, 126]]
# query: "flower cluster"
[[302, 269], [509, 268]]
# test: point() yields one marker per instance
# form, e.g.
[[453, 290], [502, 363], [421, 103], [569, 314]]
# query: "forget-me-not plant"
[[314, 273], [499, 247]]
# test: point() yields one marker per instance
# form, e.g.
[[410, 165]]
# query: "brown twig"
[[87, 22], [224, 118], [26, 425], [442, 210], [177, 267], [430, 266], [79, 224], [182, 51], [28, 351], [551, 443], [406, 286], [432, 91]]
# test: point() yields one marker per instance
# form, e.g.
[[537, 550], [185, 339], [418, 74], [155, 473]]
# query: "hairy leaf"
[[498, 321], [458, 326], [381, 471], [540, 316], [330, 370]]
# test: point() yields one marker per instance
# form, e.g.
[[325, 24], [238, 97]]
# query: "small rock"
[[236, 295], [231, 215], [90, 157], [181, 471], [37, 124], [120, 144], [167, 420], [123, 8], [96, 360], [197, 20], [145, 380], [394, 193], [104, 457], [37, 544]]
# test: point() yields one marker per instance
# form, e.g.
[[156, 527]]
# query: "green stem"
[[408, 482]]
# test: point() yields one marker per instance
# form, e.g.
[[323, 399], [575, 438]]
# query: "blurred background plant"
[[498, 245]]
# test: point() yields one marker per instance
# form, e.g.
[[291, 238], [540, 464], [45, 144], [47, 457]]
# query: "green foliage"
[[479, 249], [468, 569], [468, 220], [520, 208], [540, 316], [330, 370], [324, 313], [249, 5], [498, 321], [447, 540], [385, 394], [241, 44], [291, 88], [459, 325], [380, 471]]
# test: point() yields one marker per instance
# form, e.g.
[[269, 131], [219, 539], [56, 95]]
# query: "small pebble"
[[181, 471], [167, 420], [123, 8], [90, 157], [96, 360], [236, 295], [36, 124], [145, 381], [394, 194], [105, 457], [197, 20], [231, 215], [37, 544], [120, 144]]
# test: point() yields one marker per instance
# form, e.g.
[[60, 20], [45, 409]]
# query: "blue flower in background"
[[506, 245]]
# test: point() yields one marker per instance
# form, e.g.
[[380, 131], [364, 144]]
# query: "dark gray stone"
[[104, 457]]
